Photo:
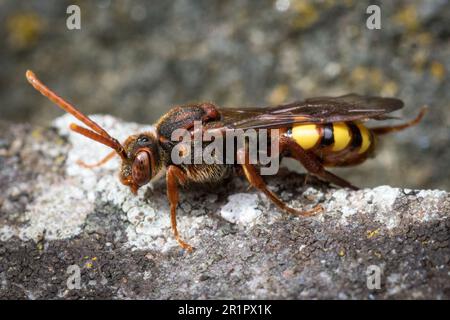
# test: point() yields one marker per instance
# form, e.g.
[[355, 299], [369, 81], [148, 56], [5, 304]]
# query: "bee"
[[318, 132]]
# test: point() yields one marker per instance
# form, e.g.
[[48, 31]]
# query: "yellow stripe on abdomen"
[[306, 135], [342, 136], [366, 137], [334, 137]]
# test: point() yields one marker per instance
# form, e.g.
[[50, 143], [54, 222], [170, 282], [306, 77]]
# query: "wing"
[[314, 110]]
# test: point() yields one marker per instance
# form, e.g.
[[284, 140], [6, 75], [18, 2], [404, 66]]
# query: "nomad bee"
[[318, 132]]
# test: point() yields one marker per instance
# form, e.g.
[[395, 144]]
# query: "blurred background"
[[136, 59]]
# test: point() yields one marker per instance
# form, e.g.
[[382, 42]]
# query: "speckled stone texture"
[[55, 214]]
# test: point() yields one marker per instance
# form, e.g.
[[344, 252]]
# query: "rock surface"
[[58, 219]]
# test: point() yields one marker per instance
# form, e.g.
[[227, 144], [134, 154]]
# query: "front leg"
[[175, 177], [108, 157]]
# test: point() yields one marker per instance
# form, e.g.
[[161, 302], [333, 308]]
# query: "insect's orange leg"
[[174, 177], [311, 164], [255, 179], [413, 122], [108, 157]]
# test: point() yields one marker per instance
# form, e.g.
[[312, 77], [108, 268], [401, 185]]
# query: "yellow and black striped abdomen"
[[333, 137]]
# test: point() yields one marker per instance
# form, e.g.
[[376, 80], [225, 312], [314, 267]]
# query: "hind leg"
[[255, 179], [311, 163], [413, 122]]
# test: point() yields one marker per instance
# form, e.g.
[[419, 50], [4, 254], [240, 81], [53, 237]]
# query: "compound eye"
[[141, 170]]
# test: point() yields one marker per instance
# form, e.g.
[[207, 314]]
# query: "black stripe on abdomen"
[[327, 135], [356, 135]]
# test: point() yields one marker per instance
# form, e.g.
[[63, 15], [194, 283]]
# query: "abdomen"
[[335, 144]]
